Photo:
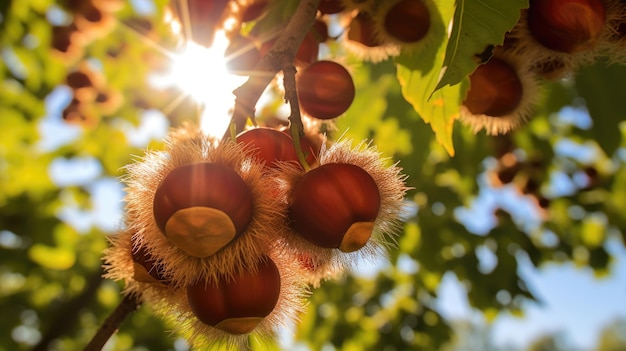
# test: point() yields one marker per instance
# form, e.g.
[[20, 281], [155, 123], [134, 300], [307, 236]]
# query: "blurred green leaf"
[[599, 86], [52, 257]]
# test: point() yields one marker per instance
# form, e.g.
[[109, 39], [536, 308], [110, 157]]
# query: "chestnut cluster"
[[552, 39], [227, 237], [91, 97], [377, 30], [526, 174], [325, 88], [90, 20]]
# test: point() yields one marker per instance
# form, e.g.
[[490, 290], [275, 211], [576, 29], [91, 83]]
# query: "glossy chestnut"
[[325, 89], [335, 206], [238, 304], [200, 207]]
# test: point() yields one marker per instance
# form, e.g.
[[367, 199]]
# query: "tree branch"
[[67, 316], [128, 305], [282, 54]]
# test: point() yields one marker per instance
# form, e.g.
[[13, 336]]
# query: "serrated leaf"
[[418, 75], [477, 25]]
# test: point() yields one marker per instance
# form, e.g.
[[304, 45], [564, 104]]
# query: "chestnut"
[[201, 207], [239, 303], [495, 89], [567, 26], [325, 89], [407, 21], [335, 206]]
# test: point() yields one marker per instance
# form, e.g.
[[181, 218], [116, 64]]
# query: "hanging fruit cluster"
[[91, 97], [228, 236], [552, 39], [91, 19], [525, 173], [377, 30]]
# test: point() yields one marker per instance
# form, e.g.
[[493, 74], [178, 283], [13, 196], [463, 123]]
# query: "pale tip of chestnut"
[[356, 236], [141, 274], [200, 231], [238, 326]]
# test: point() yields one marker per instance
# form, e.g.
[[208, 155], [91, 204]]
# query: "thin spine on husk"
[[327, 263], [612, 43], [521, 114]]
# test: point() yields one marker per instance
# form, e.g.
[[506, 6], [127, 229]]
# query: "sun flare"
[[201, 73]]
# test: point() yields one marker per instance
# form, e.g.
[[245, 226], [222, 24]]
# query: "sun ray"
[[146, 40], [183, 6], [171, 106], [199, 72]]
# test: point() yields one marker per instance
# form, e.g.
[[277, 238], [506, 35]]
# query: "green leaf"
[[601, 87], [440, 111], [593, 231], [477, 26], [52, 257], [418, 75]]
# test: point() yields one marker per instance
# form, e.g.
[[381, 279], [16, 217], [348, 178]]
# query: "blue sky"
[[573, 302]]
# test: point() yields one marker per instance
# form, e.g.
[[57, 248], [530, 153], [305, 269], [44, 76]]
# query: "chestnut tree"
[[358, 133]]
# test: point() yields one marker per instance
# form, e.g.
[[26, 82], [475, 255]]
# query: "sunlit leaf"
[[418, 75]]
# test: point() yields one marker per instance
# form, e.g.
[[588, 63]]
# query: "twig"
[[295, 119], [68, 314], [282, 54], [128, 305]]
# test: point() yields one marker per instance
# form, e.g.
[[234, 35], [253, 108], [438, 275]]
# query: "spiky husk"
[[262, 237], [185, 146], [613, 41], [291, 302], [435, 34], [375, 54], [171, 304], [551, 64], [318, 264], [521, 114]]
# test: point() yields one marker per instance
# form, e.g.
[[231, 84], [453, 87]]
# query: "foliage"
[[558, 182]]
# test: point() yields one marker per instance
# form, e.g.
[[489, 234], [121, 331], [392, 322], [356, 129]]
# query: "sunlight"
[[202, 74]]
